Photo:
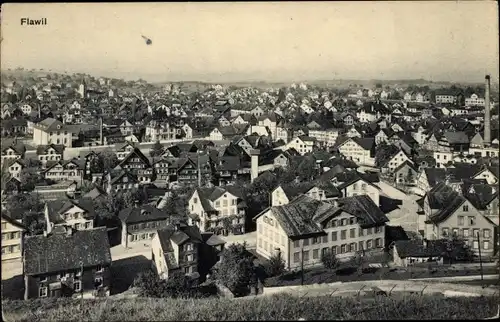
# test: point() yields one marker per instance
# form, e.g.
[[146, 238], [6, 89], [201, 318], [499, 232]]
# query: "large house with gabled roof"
[[305, 229], [139, 224], [67, 263], [444, 213], [218, 209], [52, 131]]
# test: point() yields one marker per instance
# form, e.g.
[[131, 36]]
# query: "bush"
[[329, 260], [275, 266]]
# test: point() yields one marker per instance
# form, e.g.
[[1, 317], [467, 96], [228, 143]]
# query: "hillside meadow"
[[278, 307]]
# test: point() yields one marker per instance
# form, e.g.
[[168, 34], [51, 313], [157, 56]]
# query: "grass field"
[[281, 307]]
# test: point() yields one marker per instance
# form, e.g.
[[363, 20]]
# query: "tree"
[[235, 270], [329, 260], [24, 202], [35, 222], [383, 152], [109, 160], [275, 266], [29, 179]]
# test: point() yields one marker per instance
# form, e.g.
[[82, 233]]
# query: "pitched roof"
[[42, 149], [445, 200], [364, 209], [416, 248], [143, 213], [300, 217], [457, 137], [59, 252]]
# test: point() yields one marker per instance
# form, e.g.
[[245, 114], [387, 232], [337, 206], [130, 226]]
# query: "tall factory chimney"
[[487, 121]]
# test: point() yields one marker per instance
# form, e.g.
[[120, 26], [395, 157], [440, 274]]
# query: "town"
[[113, 187]]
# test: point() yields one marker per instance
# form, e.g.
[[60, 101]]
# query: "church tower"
[[82, 89]]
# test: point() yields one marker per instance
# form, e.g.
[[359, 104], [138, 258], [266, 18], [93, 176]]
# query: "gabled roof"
[[60, 252], [143, 213], [445, 200], [43, 149], [456, 137], [416, 248], [300, 217], [364, 209]]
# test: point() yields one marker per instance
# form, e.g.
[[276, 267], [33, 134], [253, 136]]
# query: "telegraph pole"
[[81, 289], [480, 259], [302, 265]]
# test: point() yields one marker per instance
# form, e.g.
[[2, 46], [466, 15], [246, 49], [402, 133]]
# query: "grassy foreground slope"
[[279, 307]]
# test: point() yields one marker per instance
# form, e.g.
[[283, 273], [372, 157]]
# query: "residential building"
[[51, 152], [12, 237], [52, 131], [76, 213], [360, 150], [302, 144], [186, 249], [67, 263], [446, 213], [139, 224], [71, 170], [220, 210], [305, 229]]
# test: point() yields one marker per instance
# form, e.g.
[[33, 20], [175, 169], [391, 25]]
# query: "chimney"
[[254, 172], [487, 126]]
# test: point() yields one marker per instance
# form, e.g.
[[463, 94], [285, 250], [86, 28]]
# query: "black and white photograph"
[[236, 161]]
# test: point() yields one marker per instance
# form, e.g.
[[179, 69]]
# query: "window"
[[475, 233], [465, 208], [316, 253], [360, 232], [352, 220], [334, 236], [325, 239], [334, 223], [334, 250], [465, 232], [460, 220], [445, 232], [343, 234], [361, 246], [475, 244], [305, 242], [296, 257], [315, 240], [378, 242], [324, 251], [306, 255], [352, 233], [99, 269], [486, 233], [296, 243], [189, 257], [77, 286], [259, 242], [217, 204], [344, 222], [486, 244], [455, 232], [343, 248], [195, 200], [369, 244], [189, 247], [42, 292], [472, 220]]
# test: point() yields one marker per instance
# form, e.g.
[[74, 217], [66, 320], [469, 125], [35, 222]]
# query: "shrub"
[[275, 266], [329, 260]]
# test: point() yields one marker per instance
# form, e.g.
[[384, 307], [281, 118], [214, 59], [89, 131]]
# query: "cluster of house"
[[342, 210]]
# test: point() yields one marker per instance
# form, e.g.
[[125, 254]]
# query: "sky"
[[259, 41]]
